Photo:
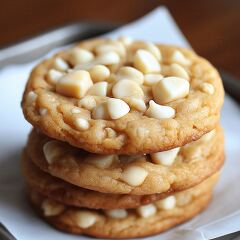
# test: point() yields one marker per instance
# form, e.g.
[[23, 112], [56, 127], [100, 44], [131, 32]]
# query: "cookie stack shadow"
[[119, 194]]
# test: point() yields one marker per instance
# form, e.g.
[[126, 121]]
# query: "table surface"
[[212, 27]]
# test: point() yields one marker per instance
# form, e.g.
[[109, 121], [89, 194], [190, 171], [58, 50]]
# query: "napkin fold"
[[220, 218]]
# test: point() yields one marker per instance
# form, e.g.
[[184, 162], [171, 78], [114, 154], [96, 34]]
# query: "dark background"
[[211, 26]]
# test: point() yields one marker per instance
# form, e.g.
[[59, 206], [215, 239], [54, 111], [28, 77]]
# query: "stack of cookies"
[[126, 140]]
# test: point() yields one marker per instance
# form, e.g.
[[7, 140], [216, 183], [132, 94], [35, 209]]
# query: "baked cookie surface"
[[69, 194], [112, 96], [120, 223], [169, 171]]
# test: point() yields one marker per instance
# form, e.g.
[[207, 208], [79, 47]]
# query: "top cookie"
[[123, 96]]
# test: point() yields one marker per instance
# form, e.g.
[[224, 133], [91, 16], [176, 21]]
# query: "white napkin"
[[221, 217]]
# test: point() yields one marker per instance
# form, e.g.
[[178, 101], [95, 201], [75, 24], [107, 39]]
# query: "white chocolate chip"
[[125, 40], [43, 111], [117, 108], [147, 210], [208, 136], [169, 89], [178, 71], [145, 62], [183, 199], [53, 76], [75, 110], [127, 88], [152, 78], [193, 150], [134, 175], [80, 56], [85, 219], [101, 161], [98, 89], [51, 150], [101, 112], [31, 97], [81, 124], [166, 157], [87, 102], [115, 46], [122, 137], [166, 203], [159, 111], [111, 133], [99, 73], [154, 50], [85, 66], [74, 84], [108, 58], [60, 64], [69, 70], [150, 47], [117, 213], [208, 88], [130, 73], [51, 208], [136, 103], [178, 57]]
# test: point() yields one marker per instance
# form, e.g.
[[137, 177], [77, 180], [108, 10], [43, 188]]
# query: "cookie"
[[173, 170], [112, 97], [69, 194], [120, 223]]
